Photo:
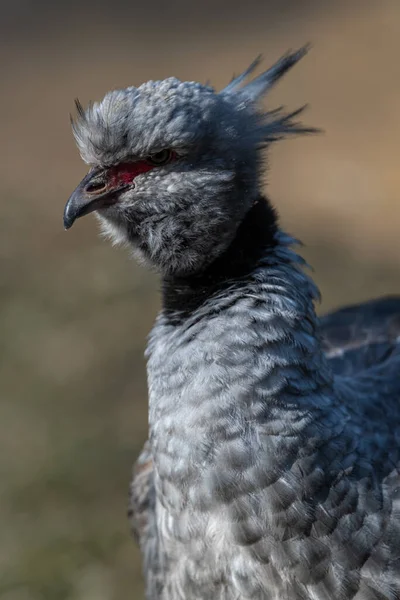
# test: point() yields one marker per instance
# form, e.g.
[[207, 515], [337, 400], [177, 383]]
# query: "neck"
[[255, 237], [237, 377]]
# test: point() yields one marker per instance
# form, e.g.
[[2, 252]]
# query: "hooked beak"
[[93, 193]]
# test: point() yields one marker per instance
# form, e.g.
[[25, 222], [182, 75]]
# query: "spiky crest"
[[259, 86]]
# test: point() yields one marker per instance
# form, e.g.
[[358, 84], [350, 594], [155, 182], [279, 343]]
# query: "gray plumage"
[[272, 466]]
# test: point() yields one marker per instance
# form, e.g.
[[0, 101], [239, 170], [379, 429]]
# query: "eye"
[[160, 158]]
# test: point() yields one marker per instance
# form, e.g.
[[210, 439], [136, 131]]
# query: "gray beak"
[[91, 194]]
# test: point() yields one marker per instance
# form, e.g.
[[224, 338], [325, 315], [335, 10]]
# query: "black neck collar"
[[256, 234]]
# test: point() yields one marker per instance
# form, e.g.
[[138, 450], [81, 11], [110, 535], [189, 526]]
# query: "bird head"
[[175, 166]]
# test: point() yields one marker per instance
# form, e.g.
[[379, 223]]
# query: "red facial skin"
[[125, 173]]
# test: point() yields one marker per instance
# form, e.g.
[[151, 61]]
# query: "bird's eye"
[[160, 158]]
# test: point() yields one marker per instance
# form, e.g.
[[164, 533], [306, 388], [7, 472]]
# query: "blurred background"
[[75, 312]]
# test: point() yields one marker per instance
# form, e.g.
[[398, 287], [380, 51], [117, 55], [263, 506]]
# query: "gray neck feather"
[[241, 396]]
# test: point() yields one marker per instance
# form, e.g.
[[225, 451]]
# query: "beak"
[[93, 193]]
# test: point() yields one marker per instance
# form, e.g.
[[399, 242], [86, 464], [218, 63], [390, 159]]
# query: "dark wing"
[[143, 519], [360, 336]]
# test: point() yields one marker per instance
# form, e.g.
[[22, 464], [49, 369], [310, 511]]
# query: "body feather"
[[275, 440]]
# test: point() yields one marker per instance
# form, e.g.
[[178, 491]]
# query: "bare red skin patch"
[[125, 173]]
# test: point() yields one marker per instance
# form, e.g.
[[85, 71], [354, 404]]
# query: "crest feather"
[[274, 124], [256, 88], [234, 85]]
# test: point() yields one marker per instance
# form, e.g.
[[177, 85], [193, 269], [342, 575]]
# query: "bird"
[[271, 470]]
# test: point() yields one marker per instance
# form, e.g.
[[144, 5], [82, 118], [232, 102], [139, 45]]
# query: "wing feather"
[[143, 518], [361, 336]]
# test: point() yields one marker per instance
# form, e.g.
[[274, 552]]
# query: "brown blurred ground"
[[75, 312]]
